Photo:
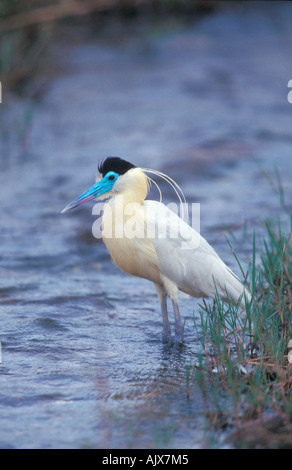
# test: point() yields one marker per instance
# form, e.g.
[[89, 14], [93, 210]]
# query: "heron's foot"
[[178, 338], [178, 325], [166, 333]]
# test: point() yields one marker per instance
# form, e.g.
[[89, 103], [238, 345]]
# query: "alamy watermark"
[[289, 97], [131, 220]]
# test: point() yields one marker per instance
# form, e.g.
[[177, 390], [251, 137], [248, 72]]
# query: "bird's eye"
[[111, 177]]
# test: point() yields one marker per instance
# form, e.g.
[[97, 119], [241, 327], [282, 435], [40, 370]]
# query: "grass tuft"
[[245, 372]]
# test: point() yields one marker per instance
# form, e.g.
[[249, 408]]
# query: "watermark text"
[[151, 221], [289, 97]]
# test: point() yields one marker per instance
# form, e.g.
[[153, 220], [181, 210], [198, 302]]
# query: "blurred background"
[[194, 88]]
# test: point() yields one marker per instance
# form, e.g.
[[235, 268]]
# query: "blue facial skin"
[[102, 187]]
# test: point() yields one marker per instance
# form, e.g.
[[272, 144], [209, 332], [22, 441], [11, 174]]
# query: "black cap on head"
[[116, 164]]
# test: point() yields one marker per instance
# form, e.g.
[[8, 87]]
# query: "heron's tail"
[[232, 290]]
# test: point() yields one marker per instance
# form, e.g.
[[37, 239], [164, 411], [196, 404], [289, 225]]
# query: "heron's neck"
[[135, 189], [117, 211], [120, 208]]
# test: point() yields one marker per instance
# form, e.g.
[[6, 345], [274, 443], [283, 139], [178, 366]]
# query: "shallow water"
[[82, 360]]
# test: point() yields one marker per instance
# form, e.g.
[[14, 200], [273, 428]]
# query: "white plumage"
[[146, 239], [190, 262]]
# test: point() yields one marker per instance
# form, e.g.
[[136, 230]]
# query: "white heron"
[[184, 262]]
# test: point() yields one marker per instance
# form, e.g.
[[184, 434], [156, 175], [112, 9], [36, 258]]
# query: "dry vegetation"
[[27, 27]]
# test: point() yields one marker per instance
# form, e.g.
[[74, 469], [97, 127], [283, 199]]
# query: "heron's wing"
[[169, 230], [186, 258]]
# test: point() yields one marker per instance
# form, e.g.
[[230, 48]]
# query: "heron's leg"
[[178, 323], [166, 333]]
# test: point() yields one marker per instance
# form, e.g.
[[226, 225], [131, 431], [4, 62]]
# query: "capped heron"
[[184, 262]]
